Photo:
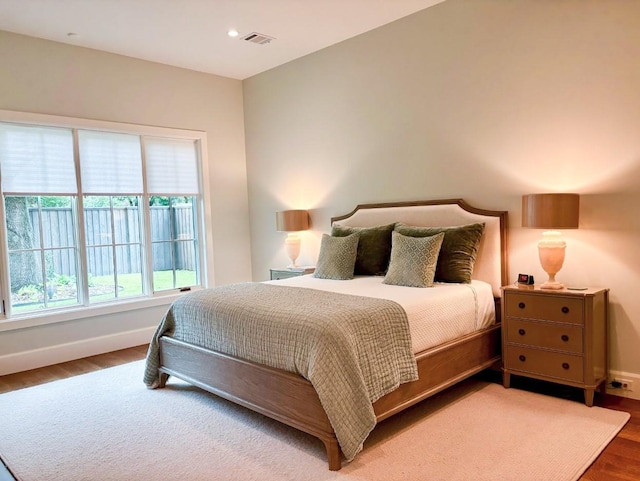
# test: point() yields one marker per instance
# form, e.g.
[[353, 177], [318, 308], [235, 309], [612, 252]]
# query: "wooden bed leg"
[[162, 382], [334, 455]]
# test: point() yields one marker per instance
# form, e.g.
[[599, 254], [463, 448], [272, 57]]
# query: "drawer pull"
[[565, 365], [565, 310], [522, 358], [521, 305], [564, 337], [522, 332]]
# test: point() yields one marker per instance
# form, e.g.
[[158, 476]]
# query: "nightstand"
[[556, 335], [290, 272]]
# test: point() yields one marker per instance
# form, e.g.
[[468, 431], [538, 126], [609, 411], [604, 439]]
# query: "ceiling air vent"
[[258, 38]]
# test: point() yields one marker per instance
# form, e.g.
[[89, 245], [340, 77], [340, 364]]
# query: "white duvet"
[[436, 314]]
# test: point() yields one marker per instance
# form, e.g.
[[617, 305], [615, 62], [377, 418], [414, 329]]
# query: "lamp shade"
[[292, 220], [551, 211]]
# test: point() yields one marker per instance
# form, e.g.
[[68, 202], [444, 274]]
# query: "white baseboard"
[[23, 361], [634, 393]]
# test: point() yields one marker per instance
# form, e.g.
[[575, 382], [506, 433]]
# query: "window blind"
[[172, 166], [110, 163], [37, 160]]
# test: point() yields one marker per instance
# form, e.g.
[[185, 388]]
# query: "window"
[[97, 216]]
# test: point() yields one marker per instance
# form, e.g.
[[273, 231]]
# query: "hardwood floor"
[[20, 380], [620, 461]]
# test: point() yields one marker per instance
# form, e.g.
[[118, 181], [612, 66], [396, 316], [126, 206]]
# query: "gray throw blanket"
[[352, 349]]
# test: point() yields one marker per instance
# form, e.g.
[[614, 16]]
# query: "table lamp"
[[551, 212], [292, 221]]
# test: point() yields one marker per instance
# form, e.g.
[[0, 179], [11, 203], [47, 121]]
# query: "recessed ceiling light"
[[232, 33]]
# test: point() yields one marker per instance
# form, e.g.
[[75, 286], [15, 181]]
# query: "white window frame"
[[37, 318]]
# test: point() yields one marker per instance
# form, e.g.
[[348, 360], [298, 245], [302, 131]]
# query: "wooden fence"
[[172, 236]]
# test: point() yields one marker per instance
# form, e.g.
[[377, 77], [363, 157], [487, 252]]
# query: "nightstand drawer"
[[277, 274], [545, 363], [561, 337], [551, 308]]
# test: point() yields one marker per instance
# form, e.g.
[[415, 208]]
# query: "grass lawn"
[[101, 288]]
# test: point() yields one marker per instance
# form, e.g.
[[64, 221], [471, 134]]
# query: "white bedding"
[[436, 315]]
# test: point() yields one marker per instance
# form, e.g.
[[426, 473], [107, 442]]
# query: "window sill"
[[49, 317]]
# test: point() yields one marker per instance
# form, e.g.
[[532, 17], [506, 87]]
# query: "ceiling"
[[193, 33]]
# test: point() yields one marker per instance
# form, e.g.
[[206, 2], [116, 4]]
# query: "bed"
[[287, 396]]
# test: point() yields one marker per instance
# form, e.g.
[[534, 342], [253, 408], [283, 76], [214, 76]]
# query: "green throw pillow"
[[413, 260], [337, 257], [374, 247], [458, 252]]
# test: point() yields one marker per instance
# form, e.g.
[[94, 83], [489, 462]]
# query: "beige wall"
[[484, 100], [53, 78]]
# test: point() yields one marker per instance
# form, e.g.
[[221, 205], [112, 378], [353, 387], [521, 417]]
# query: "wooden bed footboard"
[[291, 399]]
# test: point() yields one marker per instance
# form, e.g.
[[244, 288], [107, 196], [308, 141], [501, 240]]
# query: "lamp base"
[[292, 248], [552, 285], [551, 250]]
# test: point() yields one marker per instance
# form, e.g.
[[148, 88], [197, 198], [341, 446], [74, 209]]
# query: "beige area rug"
[[107, 426]]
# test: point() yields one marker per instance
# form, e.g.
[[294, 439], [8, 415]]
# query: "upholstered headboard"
[[491, 262]]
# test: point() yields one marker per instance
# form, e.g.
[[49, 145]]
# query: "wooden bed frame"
[[291, 399]]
